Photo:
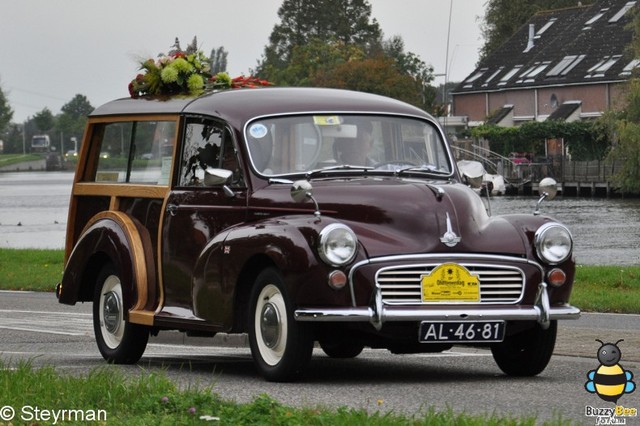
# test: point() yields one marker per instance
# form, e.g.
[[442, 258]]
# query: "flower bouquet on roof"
[[184, 72]]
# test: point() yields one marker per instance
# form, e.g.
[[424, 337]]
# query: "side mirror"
[[472, 172], [214, 177], [547, 188], [301, 190]]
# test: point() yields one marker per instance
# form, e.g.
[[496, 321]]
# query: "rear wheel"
[[526, 353], [119, 342], [281, 347]]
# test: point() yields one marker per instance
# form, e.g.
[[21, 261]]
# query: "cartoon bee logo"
[[609, 381]]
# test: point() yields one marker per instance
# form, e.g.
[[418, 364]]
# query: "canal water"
[[34, 206]]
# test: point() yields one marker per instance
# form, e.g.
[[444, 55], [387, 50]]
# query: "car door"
[[198, 209]]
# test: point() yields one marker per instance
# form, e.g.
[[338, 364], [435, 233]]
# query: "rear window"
[[137, 152]]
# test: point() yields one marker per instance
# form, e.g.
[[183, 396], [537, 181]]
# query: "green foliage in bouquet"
[[184, 72]]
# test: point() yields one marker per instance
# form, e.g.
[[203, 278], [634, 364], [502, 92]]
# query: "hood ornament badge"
[[449, 239]]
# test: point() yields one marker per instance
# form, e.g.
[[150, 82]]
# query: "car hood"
[[394, 216]]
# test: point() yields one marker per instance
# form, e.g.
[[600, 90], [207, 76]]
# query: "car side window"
[[207, 145], [137, 152]]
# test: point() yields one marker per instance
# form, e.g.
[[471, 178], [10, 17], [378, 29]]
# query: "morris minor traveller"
[[297, 216]]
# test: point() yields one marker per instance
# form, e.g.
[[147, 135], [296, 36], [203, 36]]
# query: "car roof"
[[240, 105]]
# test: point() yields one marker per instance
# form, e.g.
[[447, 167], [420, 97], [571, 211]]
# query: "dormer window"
[[492, 76], [630, 67], [530, 75], [546, 27], [622, 12], [602, 67], [595, 18], [469, 82], [509, 75], [565, 65]]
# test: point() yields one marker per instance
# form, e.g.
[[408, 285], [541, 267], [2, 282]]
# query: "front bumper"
[[379, 313]]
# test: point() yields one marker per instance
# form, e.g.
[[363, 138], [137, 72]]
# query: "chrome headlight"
[[338, 244], [553, 243]]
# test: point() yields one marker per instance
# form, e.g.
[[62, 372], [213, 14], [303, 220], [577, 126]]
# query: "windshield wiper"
[[422, 169], [312, 173]]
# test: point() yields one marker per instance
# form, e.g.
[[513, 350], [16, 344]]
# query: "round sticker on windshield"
[[258, 131]]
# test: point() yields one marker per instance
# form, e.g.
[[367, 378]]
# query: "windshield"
[[304, 143]]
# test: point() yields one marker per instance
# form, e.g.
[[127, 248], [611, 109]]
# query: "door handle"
[[172, 209]]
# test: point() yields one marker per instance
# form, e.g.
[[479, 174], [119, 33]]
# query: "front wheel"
[[281, 347], [119, 341], [526, 353]]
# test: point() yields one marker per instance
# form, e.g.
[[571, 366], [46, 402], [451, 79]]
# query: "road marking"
[[59, 323]]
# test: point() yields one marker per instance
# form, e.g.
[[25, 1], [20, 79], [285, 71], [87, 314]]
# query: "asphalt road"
[[33, 326]]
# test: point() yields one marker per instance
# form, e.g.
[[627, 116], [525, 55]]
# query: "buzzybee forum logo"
[[610, 381]]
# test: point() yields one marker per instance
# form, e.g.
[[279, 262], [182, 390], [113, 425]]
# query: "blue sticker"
[[258, 131]]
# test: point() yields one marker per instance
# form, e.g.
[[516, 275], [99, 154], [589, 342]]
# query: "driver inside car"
[[355, 152]]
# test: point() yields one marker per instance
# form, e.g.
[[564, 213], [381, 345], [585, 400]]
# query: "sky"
[[54, 49]]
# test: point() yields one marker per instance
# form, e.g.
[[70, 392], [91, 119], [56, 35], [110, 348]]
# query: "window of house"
[[599, 69], [505, 78], [137, 152], [630, 67], [545, 27], [469, 82], [565, 65], [531, 73], [595, 18], [622, 12], [492, 76]]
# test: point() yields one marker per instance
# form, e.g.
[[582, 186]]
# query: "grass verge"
[[597, 288], [10, 159], [106, 396]]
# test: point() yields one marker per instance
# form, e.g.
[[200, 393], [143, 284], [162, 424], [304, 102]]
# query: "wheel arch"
[[246, 281], [111, 237]]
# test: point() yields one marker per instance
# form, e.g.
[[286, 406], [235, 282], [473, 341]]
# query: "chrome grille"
[[498, 284]]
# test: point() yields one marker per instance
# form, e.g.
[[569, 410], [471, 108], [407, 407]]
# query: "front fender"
[[288, 243], [117, 238]]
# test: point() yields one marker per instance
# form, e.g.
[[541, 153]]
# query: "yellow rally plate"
[[450, 282]]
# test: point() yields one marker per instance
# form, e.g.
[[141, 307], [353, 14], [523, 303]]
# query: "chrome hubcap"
[[111, 312], [270, 325]]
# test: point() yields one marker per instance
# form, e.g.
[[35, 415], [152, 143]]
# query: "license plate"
[[462, 331], [450, 282]]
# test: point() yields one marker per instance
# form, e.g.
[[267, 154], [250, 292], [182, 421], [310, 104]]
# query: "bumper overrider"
[[379, 313]]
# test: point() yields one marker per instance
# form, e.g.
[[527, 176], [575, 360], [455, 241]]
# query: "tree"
[[373, 75], [78, 107], [44, 120], [71, 122], [504, 17], [626, 147], [302, 21], [6, 113], [218, 60], [336, 43], [410, 64]]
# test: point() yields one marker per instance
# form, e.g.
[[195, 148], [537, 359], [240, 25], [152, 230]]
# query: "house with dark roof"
[[567, 64]]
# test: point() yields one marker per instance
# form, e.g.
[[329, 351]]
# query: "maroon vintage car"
[[299, 216]]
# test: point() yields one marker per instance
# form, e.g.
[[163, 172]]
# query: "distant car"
[[299, 216], [54, 161], [71, 153], [147, 156]]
